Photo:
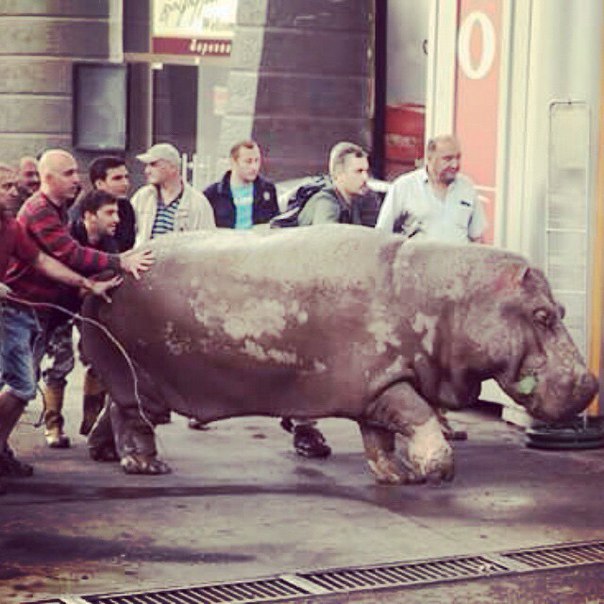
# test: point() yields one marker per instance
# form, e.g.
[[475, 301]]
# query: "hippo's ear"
[[512, 276]]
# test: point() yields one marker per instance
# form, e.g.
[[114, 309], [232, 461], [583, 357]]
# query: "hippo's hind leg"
[[135, 441], [426, 455], [133, 431], [101, 444]]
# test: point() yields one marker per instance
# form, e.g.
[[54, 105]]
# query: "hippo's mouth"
[[555, 402], [523, 390]]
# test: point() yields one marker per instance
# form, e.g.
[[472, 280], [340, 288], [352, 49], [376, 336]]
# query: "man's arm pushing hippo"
[[334, 321]]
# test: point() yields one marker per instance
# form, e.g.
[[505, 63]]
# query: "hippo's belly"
[[244, 345]]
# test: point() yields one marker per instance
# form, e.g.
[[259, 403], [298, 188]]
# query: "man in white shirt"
[[435, 202]]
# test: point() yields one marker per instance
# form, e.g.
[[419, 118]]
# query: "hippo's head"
[[513, 332]]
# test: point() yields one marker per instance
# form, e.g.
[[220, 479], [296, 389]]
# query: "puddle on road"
[[38, 548]]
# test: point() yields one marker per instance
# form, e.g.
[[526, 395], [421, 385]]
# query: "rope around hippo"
[[111, 337]]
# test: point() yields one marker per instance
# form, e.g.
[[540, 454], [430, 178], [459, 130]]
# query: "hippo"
[[331, 321]]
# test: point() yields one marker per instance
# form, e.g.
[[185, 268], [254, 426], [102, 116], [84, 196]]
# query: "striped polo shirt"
[[165, 216]]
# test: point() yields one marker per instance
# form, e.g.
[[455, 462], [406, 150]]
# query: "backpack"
[[297, 201]]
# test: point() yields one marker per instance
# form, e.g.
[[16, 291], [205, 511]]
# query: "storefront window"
[[406, 71]]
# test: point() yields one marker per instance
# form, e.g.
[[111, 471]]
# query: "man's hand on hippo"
[[136, 262], [100, 288]]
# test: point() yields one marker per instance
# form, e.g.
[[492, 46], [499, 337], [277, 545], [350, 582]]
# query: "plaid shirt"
[[46, 224]]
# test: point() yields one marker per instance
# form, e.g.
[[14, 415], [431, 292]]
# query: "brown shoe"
[[55, 438], [53, 396]]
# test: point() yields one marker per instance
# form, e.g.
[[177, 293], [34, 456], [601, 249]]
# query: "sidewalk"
[[240, 504]]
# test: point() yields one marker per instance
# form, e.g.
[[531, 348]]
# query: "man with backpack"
[[346, 199], [241, 199], [342, 198]]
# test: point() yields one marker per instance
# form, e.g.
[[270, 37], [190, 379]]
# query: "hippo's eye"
[[544, 317]]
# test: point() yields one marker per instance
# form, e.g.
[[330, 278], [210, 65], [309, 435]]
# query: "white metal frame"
[[549, 230]]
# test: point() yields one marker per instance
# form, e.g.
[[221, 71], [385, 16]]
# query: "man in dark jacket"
[[97, 227], [243, 198], [110, 174], [94, 228]]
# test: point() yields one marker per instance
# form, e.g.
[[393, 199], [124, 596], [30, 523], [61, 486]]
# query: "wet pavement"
[[240, 504]]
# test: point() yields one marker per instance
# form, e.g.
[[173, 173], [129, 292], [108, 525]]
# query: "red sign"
[[477, 96], [198, 47]]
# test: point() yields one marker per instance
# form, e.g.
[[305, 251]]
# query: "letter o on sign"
[[473, 20]]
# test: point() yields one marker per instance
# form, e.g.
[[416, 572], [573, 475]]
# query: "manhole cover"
[[578, 433]]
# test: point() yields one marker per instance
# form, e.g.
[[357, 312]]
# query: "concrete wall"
[[300, 81], [40, 41]]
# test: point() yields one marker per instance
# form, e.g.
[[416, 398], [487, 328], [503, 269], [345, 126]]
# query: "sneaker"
[[195, 424], [309, 442], [11, 466]]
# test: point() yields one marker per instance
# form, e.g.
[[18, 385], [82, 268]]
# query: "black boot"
[[11, 466], [309, 442]]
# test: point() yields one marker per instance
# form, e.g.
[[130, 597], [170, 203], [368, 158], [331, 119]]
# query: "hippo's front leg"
[[380, 451], [135, 441], [426, 456]]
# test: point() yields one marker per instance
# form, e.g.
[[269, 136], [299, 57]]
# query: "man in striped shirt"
[[44, 218], [167, 204]]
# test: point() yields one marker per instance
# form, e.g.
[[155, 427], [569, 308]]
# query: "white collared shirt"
[[458, 218]]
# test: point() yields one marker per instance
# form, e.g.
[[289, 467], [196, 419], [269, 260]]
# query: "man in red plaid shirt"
[[15, 243], [44, 218]]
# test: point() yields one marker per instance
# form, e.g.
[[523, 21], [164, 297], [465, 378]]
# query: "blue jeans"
[[20, 328]]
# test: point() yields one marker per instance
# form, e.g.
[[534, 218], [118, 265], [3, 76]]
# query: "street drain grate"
[[398, 575], [559, 555], [328, 582]]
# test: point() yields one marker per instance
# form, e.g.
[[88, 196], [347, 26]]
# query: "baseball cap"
[[164, 151]]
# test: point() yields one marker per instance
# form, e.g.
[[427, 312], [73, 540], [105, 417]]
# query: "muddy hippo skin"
[[332, 321]]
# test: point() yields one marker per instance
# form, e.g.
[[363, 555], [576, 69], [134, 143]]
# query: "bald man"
[[435, 202], [44, 218]]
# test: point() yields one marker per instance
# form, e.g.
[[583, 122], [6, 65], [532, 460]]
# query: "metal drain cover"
[[301, 586]]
